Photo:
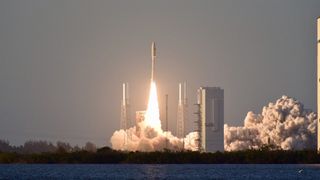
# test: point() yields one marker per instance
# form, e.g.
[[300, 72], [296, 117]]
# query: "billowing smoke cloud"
[[147, 135], [146, 138], [284, 124]]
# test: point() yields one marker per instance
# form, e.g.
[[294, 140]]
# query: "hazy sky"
[[62, 63]]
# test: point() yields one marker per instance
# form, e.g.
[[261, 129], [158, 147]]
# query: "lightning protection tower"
[[125, 120]]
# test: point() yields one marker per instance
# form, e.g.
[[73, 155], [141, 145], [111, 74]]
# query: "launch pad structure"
[[125, 113], [182, 110], [210, 122], [210, 114], [124, 123]]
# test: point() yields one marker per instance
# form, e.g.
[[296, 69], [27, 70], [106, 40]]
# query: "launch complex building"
[[209, 113]]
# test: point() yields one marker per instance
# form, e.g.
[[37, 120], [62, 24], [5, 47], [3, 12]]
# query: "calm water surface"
[[162, 171]]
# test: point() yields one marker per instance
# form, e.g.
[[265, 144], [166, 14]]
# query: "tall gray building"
[[211, 119], [318, 79]]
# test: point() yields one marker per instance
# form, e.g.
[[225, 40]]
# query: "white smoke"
[[147, 135], [284, 124], [146, 138]]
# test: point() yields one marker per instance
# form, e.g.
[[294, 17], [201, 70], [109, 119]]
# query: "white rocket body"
[[153, 58]]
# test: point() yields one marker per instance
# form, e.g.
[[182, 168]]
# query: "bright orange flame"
[[152, 117]]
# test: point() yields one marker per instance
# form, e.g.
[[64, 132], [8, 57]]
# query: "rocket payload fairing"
[[153, 58]]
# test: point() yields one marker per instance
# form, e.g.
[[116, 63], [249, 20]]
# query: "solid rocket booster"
[[153, 58]]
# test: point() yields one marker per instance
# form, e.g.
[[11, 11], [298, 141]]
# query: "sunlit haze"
[[62, 63]]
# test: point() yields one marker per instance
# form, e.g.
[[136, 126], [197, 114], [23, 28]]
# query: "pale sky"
[[62, 63]]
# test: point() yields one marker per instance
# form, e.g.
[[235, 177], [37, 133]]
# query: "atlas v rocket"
[[153, 58]]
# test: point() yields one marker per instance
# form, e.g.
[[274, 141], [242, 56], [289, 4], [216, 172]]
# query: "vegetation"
[[35, 147], [45, 152], [107, 155]]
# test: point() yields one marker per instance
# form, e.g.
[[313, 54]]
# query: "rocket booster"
[[153, 58]]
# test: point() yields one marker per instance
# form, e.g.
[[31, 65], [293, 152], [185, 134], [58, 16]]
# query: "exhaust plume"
[[148, 135], [284, 124]]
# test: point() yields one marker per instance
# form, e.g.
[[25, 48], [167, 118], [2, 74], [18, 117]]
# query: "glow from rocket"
[[152, 117]]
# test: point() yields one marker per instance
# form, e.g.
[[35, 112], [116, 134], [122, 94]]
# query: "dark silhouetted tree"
[[90, 147], [5, 146]]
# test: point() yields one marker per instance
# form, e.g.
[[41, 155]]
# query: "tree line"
[[108, 155], [40, 146]]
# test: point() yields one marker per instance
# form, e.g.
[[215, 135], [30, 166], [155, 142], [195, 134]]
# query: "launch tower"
[[182, 110], [211, 119], [125, 117]]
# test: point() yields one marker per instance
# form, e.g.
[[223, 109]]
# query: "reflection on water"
[[158, 171]]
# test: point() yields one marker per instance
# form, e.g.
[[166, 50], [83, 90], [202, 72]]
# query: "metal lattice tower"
[[125, 120], [198, 122], [167, 99], [182, 110]]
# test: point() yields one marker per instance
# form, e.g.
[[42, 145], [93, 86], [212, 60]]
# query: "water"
[[161, 171]]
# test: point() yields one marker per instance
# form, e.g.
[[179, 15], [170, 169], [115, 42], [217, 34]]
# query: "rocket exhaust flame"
[[152, 117], [148, 135]]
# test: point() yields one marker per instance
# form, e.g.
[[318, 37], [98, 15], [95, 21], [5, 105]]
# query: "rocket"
[[153, 59]]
